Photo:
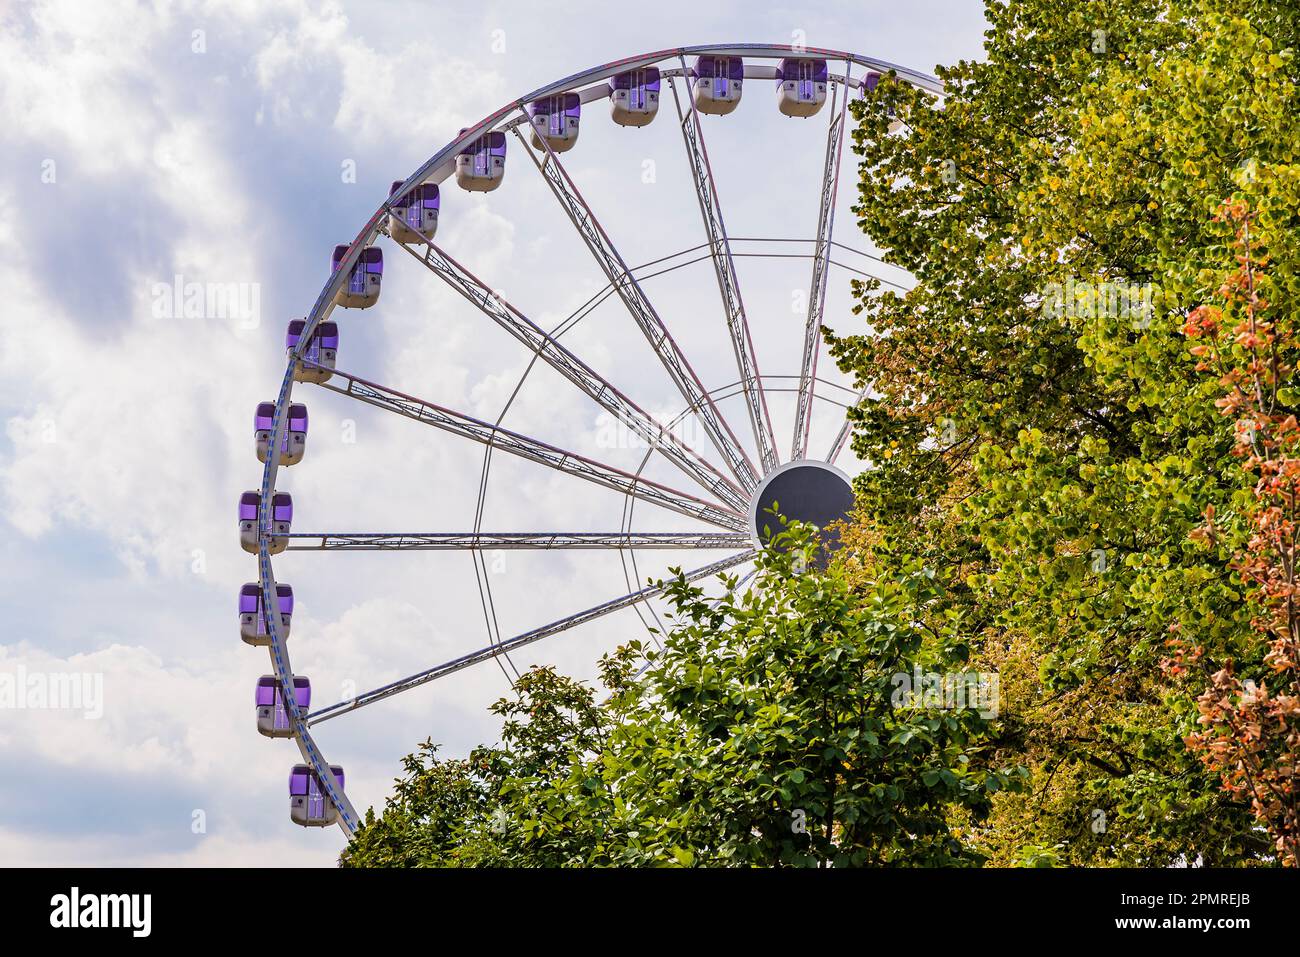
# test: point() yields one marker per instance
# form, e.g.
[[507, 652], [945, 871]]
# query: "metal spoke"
[[724, 266], [842, 438], [821, 267], [579, 373], [474, 541], [510, 644], [569, 463], [643, 313]]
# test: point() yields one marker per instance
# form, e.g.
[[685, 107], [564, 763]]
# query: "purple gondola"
[[253, 625], [868, 85], [634, 96], [272, 716], [361, 291], [414, 217], [717, 84], [248, 521], [309, 805], [281, 518], [801, 86], [481, 164], [295, 436], [555, 119], [321, 352]]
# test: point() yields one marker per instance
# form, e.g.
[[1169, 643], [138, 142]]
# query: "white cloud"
[[320, 67], [72, 80]]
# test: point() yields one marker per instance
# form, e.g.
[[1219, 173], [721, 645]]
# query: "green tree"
[[1041, 435]]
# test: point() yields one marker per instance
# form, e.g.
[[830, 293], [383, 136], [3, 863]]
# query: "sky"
[[150, 149]]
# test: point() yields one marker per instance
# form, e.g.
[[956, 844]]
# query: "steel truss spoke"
[[515, 443], [579, 373], [842, 438], [476, 541], [821, 268], [725, 267], [510, 644], [643, 313]]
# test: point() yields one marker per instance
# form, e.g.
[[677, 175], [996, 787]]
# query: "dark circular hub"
[[810, 492]]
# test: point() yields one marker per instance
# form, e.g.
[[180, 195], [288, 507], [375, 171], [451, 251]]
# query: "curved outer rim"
[[324, 305], [767, 480]]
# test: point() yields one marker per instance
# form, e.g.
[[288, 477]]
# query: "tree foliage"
[[1042, 438], [1251, 731]]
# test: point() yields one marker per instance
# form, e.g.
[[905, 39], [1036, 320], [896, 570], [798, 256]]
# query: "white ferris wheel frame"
[[727, 512]]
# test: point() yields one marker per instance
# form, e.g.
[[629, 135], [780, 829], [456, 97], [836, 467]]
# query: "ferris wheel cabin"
[[717, 85], [868, 85], [361, 291], [481, 165], [634, 96], [414, 217], [253, 626], [309, 805], [801, 86], [295, 437], [281, 518], [555, 119], [321, 352], [272, 716]]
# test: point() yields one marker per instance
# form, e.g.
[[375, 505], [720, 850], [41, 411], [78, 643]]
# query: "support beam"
[[842, 438], [510, 644], [609, 398], [643, 313], [724, 266], [821, 268], [569, 463]]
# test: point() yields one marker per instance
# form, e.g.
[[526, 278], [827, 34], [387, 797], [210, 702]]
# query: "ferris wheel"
[[734, 468]]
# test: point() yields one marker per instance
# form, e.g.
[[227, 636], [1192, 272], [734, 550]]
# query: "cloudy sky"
[[149, 146]]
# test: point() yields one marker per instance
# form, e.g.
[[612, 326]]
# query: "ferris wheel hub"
[[804, 490]]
